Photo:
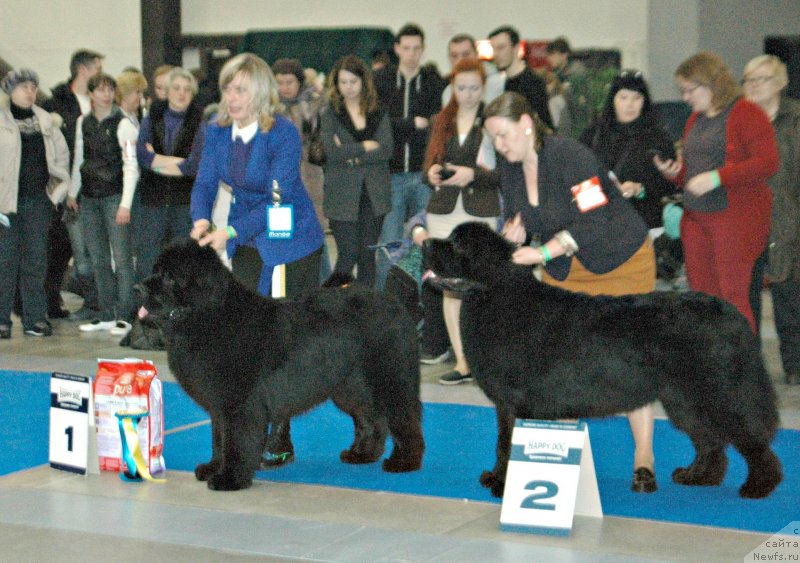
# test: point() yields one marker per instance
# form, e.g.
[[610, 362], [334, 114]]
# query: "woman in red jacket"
[[729, 151]]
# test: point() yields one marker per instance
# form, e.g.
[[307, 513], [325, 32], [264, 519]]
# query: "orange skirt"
[[636, 275]]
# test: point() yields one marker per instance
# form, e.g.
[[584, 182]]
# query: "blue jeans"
[[410, 195], [23, 256], [155, 228], [101, 232]]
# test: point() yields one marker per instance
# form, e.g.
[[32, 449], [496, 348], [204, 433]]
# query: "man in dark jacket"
[[411, 94], [519, 77], [65, 239]]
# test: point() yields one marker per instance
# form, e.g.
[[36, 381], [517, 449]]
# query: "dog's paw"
[[495, 484], [349, 456], [691, 477], [204, 471], [402, 465], [227, 482], [759, 487]]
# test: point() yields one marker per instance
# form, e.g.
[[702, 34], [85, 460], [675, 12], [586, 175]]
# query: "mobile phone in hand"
[[446, 173]]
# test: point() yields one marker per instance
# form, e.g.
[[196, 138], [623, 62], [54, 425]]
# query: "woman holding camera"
[[459, 165]]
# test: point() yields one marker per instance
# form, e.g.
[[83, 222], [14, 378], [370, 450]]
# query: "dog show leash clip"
[[132, 457]]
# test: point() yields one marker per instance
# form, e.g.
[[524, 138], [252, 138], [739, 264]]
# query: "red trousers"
[[720, 250]]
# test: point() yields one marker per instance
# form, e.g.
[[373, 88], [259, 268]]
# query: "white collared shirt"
[[246, 133]]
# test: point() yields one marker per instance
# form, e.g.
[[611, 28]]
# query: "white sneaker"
[[121, 328], [97, 325]]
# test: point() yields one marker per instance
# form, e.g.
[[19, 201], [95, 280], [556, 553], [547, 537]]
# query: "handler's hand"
[[527, 256], [217, 240], [123, 216], [200, 228], [514, 230]]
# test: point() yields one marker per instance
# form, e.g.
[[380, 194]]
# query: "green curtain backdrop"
[[317, 48]]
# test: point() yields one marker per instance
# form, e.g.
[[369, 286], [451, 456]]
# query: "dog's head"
[[186, 277], [473, 258]]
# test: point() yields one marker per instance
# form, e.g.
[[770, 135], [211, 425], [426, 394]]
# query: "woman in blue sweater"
[[257, 153]]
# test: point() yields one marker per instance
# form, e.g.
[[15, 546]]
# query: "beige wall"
[[111, 27], [653, 35]]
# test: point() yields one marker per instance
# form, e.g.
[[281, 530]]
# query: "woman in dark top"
[[357, 137], [625, 137], [579, 226]]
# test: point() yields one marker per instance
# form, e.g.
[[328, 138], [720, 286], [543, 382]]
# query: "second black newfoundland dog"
[[544, 353], [251, 362]]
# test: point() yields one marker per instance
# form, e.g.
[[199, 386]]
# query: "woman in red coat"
[[729, 151]]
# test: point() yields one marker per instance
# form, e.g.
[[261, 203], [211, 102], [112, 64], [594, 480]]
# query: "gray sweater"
[[349, 167]]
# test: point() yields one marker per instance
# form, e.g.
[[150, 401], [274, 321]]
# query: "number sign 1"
[[550, 477], [71, 413]]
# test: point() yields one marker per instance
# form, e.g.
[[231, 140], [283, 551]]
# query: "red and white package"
[[129, 385]]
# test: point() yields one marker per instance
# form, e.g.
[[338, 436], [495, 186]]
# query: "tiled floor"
[[46, 514]]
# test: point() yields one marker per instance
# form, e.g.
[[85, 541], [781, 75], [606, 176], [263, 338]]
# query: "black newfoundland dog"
[[544, 353], [251, 362]]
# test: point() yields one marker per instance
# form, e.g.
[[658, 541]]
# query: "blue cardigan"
[[275, 155]]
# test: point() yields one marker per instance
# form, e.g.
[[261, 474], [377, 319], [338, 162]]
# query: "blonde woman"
[[252, 148], [765, 79]]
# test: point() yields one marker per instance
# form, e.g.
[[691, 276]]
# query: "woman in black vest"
[[103, 181], [168, 149]]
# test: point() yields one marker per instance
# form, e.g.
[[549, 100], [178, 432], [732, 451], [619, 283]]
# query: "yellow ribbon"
[[131, 437]]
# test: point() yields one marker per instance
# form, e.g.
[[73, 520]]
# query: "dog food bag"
[[126, 385]]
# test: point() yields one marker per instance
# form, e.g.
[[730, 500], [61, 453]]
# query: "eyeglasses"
[[756, 80], [690, 90]]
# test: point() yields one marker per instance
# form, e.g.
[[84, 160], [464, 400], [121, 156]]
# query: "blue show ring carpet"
[[460, 443]]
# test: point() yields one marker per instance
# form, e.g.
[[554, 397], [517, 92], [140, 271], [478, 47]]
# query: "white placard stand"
[[550, 478], [73, 438]]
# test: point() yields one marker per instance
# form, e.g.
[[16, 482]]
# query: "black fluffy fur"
[[250, 362], [544, 353]]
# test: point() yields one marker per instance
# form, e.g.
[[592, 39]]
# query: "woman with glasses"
[[765, 79], [624, 137], [729, 151], [459, 164]]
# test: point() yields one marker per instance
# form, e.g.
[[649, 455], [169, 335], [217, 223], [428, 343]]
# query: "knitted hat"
[[16, 77]]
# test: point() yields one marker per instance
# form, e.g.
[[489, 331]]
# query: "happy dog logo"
[[68, 398], [537, 448]]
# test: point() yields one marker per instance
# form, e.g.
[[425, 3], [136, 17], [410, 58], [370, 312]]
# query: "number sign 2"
[[550, 477]]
